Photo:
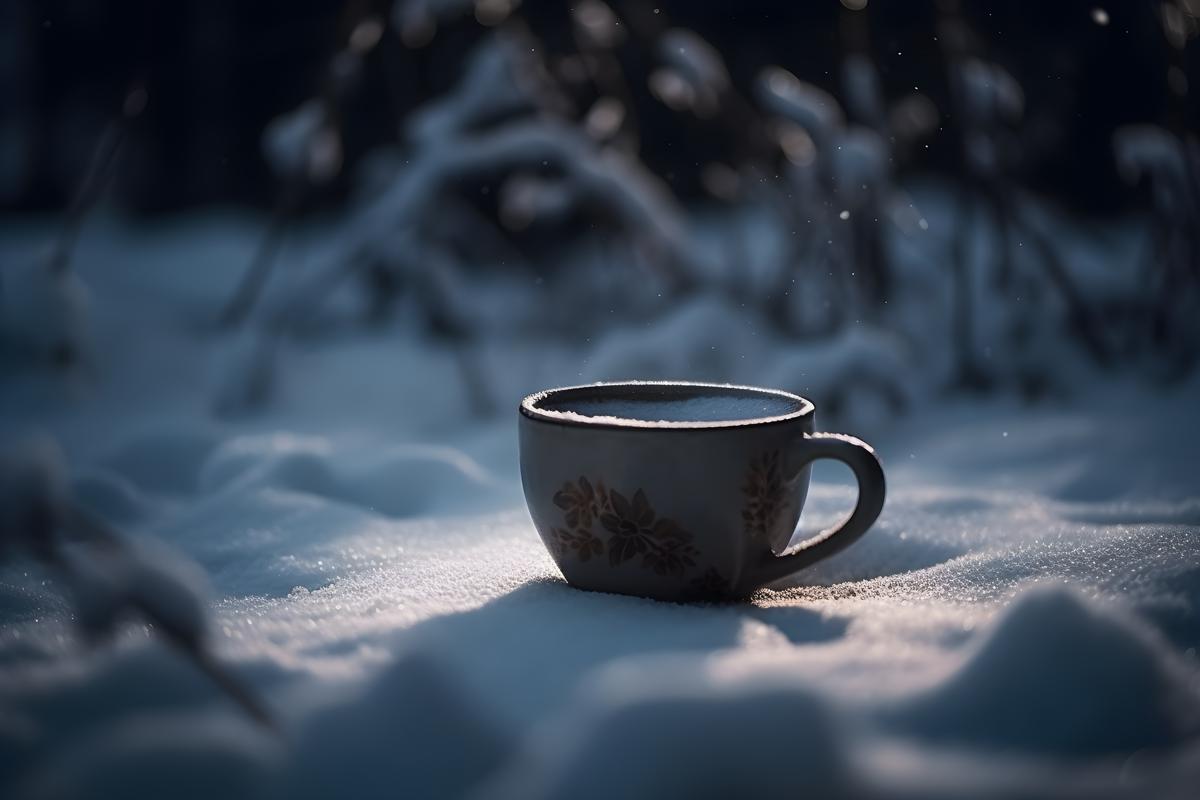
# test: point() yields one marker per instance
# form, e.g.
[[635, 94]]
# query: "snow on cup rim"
[[695, 405]]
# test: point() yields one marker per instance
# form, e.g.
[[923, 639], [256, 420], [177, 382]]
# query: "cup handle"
[[862, 460]]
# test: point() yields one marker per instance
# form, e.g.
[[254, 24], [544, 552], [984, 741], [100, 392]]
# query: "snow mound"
[[661, 733], [395, 480], [111, 496], [179, 756], [1059, 675], [414, 731], [163, 459]]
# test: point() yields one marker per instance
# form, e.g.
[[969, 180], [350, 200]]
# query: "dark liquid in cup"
[[691, 407]]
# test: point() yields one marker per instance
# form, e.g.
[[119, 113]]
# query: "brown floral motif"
[[637, 530], [582, 543], [633, 526], [670, 557], [580, 502], [766, 494]]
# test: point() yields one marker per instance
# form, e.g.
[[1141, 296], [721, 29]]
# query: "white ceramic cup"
[[688, 506]]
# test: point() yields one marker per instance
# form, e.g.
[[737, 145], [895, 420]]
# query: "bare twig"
[[969, 374], [1078, 310], [97, 533], [332, 85], [223, 679], [97, 177], [242, 302]]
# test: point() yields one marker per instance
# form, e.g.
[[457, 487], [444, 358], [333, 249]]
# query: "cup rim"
[[530, 410]]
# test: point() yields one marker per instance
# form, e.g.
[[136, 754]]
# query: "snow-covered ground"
[[1022, 621]]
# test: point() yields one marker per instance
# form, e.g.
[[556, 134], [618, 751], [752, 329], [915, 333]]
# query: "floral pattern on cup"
[[581, 542], [767, 496], [634, 528], [580, 502]]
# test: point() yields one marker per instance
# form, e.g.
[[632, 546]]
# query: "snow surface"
[[1021, 622]]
